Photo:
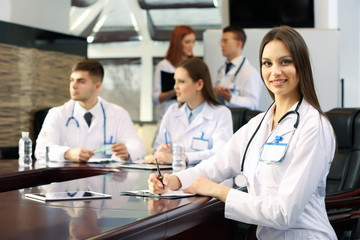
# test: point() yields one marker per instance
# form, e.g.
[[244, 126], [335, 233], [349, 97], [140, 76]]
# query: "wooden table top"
[[121, 217]]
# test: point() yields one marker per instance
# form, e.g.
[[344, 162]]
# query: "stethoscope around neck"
[[241, 180], [77, 122]]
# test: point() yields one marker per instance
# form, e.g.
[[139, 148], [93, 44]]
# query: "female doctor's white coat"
[[213, 124], [286, 199], [60, 138]]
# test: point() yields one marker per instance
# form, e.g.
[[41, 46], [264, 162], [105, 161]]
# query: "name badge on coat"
[[107, 146], [273, 152], [200, 144]]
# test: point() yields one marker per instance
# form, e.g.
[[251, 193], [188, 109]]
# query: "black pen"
[[160, 177]]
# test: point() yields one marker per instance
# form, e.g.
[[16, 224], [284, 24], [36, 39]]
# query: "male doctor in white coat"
[[73, 135], [238, 83]]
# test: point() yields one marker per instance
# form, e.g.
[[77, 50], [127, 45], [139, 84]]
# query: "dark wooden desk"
[[16, 177], [121, 217]]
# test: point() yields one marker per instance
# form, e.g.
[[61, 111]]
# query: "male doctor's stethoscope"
[[78, 125], [241, 180]]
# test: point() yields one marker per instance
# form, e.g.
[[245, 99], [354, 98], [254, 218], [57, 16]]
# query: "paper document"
[[100, 160], [169, 194], [144, 166], [66, 196]]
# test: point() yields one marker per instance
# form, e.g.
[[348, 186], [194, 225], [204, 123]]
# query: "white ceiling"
[[119, 20]]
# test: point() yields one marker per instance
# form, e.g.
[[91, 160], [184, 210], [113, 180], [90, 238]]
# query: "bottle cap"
[[25, 134]]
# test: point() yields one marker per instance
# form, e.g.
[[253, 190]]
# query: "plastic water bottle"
[[25, 150], [179, 158]]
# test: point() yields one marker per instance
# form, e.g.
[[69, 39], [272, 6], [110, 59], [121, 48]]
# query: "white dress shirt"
[[286, 199], [61, 134], [212, 124], [247, 84]]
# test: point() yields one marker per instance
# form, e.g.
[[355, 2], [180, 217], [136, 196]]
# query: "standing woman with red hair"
[[182, 42]]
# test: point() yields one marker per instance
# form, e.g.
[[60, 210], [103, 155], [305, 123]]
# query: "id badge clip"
[[200, 144], [108, 145], [273, 152], [235, 91]]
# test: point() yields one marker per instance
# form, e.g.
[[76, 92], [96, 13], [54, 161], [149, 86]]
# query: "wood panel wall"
[[30, 80]]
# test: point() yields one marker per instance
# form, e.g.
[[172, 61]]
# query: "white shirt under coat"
[[214, 121], [61, 138], [247, 82], [286, 199]]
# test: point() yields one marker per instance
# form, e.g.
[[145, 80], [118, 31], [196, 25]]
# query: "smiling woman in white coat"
[[282, 156], [198, 122]]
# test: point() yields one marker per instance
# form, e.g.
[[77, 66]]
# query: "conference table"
[[121, 217]]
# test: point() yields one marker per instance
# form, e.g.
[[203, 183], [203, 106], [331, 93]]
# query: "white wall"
[[52, 15], [349, 26], [326, 14]]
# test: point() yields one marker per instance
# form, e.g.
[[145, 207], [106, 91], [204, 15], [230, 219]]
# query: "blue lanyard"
[[78, 125], [238, 70]]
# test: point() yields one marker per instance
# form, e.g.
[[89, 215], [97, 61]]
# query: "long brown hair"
[[300, 55], [197, 69], [174, 52]]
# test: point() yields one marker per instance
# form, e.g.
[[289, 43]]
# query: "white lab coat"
[[214, 121], [166, 66], [60, 137], [248, 84], [286, 199]]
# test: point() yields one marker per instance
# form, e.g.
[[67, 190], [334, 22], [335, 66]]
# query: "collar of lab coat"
[[206, 113], [237, 62], [79, 111], [287, 124]]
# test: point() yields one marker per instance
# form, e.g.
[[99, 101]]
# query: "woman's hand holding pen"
[[163, 155], [155, 185], [120, 150], [171, 182], [164, 148]]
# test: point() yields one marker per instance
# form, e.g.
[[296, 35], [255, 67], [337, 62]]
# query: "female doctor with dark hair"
[[198, 121], [283, 155]]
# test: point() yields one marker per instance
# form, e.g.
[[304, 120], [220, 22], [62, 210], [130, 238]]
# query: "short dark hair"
[[94, 68], [238, 31]]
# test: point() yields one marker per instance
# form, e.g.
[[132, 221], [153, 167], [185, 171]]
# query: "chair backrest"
[[238, 117], [9, 152], [241, 116], [344, 171], [39, 118], [353, 176]]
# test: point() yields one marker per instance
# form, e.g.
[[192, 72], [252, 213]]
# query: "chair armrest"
[[338, 211], [343, 202], [343, 194]]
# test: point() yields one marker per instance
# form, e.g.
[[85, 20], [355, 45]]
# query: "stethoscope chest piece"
[[241, 180]]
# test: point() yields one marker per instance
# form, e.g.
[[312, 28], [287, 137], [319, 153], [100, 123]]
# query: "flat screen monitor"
[[271, 13]]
